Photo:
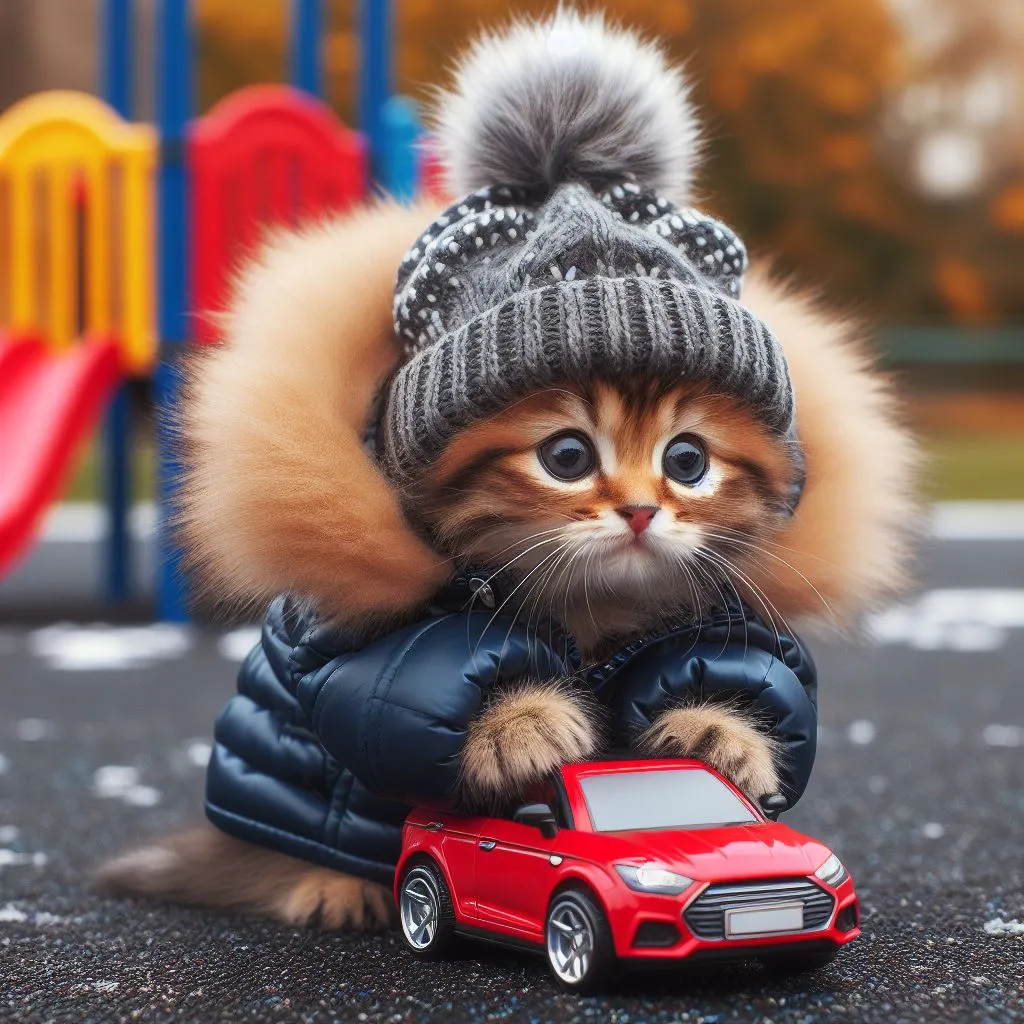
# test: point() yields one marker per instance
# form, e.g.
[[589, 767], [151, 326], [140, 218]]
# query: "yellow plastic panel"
[[64, 138]]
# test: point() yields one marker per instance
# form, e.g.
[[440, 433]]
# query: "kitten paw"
[[326, 899], [520, 738], [721, 737]]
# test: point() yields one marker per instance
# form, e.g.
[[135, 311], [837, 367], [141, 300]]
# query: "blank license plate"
[[787, 917]]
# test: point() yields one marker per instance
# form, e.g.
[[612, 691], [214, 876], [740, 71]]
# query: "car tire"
[[799, 962], [425, 912], [578, 942]]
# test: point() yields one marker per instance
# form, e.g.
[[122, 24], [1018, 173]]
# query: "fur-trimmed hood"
[[280, 493]]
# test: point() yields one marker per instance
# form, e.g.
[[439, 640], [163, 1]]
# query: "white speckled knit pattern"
[[509, 292]]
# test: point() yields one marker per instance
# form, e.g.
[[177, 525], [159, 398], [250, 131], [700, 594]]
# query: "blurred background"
[[871, 150]]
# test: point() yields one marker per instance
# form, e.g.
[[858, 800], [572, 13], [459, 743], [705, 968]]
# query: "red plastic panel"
[[49, 403], [268, 154]]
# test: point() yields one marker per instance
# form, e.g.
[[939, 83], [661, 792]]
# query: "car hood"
[[762, 850]]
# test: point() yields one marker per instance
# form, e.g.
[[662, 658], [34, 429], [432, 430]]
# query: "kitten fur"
[[489, 501], [524, 736], [205, 867], [565, 99], [308, 341]]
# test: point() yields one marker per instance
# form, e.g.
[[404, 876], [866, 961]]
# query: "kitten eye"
[[685, 459], [567, 456]]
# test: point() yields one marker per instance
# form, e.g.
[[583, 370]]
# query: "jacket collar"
[[476, 588]]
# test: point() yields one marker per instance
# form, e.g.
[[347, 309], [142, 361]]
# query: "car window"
[[544, 792], [661, 799]]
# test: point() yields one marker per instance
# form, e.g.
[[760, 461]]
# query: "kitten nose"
[[638, 516]]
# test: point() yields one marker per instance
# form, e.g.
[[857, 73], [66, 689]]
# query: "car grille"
[[705, 916]]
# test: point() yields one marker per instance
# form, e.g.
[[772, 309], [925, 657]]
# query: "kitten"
[[609, 508], [613, 509]]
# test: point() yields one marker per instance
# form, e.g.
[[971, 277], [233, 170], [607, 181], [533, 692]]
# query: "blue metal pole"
[[306, 29], [399, 173], [117, 90], [174, 108], [374, 75]]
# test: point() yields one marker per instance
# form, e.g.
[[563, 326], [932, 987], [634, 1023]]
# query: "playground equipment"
[[190, 199], [79, 178]]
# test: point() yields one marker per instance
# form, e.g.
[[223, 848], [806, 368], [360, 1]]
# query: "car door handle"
[[488, 844]]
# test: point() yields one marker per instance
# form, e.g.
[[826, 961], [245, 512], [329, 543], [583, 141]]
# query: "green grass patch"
[[975, 467], [87, 484]]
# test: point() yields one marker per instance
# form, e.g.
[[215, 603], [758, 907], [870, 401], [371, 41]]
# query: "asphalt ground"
[[919, 786]]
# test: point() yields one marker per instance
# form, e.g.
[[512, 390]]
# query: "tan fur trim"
[[520, 738], [205, 867], [279, 493], [850, 540], [721, 737]]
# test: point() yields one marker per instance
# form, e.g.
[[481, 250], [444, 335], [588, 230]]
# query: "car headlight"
[[832, 871], [653, 878]]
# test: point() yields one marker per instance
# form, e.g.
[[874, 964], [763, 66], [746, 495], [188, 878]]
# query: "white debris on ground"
[[1003, 736], [14, 859], [8, 833], [234, 646], [186, 757], [34, 730], [100, 647], [933, 830], [862, 732], [197, 752], [997, 926], [121, 782], [10, 914], [955, 619]]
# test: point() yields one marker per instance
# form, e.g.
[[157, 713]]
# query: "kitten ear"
[[567, 99]]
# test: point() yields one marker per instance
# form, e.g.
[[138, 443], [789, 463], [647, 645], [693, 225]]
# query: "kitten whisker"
[[762, 598], [761, 550], [515, 589]]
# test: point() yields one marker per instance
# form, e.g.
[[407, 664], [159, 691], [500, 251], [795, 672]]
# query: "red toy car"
[[626, 862]]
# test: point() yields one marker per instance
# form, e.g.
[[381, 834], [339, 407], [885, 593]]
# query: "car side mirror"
[[538, 816], [773, 804]]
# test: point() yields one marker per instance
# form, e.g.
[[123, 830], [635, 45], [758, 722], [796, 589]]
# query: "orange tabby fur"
[[491, 501]]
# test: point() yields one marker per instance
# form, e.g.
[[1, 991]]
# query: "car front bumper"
[[655, 928]]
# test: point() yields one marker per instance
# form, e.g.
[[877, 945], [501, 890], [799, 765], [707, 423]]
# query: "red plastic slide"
[[49, 403]]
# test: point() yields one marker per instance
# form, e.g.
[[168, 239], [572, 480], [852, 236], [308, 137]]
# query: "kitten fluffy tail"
[[568, 98], [205, 867]]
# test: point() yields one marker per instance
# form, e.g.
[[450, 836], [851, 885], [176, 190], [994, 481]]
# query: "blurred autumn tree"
[[811, 152]]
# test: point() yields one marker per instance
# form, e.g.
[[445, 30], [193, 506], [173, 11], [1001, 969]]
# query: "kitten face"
[[612, 503]]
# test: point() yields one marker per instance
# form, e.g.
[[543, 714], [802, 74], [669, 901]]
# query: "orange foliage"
[[794, 94], [1008, 209], [963, 288]]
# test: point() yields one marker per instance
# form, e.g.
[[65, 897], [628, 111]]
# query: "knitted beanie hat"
[[569, 262]]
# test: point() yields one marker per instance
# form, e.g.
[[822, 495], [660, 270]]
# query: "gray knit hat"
[[567, 268]]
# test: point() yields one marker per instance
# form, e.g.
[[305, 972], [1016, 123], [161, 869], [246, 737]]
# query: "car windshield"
[[661, 799]]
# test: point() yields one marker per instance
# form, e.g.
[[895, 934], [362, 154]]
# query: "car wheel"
[[425, 911], [799, 962], [579, 942]]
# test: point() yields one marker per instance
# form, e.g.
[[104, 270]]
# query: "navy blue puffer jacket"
[[328, 742]]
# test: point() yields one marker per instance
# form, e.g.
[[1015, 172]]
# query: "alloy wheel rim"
[[570, 943], [419, 910]]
